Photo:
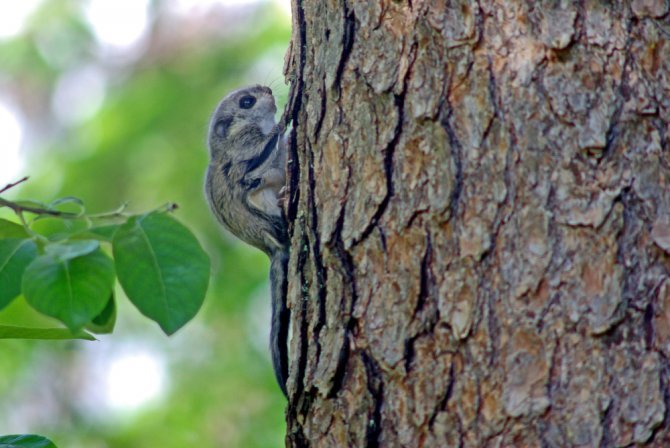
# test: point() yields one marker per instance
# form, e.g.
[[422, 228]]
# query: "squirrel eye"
[[247, 102]]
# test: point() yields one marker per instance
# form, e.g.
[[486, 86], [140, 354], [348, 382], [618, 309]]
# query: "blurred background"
[[109, 101]]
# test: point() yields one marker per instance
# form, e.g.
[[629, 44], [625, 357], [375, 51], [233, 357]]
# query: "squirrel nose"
[[268, 90]]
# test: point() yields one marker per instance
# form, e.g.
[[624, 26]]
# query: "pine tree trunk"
[[480, 220]]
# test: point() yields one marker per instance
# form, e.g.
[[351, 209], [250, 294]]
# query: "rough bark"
[[480, 221]]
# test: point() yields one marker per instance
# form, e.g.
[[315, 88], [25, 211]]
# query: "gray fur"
[[245, 175]]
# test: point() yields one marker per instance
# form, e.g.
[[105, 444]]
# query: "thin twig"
[[18, 208], [118, 213], [12, 185]]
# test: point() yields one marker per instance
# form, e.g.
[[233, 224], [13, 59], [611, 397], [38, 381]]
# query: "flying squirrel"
[[245, 178]]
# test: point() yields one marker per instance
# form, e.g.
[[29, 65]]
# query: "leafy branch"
[[19, 207], [70, 275]]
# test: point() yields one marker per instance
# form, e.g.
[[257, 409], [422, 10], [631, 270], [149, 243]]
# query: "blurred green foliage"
[[146, 145]]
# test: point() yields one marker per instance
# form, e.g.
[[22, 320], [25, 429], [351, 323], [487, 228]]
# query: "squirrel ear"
[[221, 126]]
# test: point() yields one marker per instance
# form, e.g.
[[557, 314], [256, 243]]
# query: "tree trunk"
[[480, 220]]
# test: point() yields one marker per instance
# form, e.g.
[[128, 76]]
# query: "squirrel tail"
[[280, 318]]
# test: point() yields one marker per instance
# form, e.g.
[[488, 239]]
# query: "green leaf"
[[104, 322], [69, 204], [10, 229], [105, 233], [12, 332], [72, 289], [162, 268], [15, 255], [100, 233], [56, 228], [25, 441], [71, 249]]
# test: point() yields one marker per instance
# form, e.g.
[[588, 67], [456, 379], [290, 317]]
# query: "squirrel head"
[[243, 118]]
